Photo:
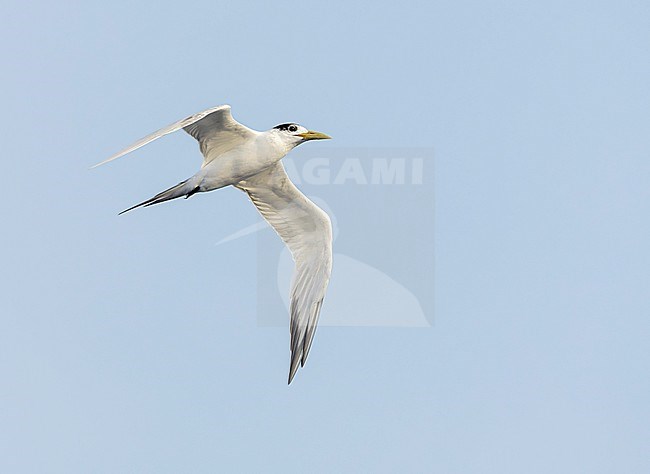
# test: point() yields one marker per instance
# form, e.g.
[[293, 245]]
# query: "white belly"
[[236, 165]]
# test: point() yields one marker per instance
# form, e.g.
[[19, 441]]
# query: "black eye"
[[293, 128]]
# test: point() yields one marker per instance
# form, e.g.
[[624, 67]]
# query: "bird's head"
[[294, 134]]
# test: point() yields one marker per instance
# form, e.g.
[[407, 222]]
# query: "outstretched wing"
[[215, 130], [307, 231]]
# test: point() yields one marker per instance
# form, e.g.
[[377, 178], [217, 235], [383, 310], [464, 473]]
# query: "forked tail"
[[186, 189]]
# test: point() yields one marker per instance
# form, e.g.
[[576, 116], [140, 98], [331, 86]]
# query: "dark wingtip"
[[292, 371]]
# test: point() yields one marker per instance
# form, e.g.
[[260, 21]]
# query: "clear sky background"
[[131, 343]]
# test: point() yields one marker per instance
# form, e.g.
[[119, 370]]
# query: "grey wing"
[[214, 128], [307, 231]]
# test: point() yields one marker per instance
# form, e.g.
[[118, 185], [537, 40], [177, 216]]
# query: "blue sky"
[[132, 344]]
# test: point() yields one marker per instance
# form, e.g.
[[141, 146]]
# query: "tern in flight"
[[235, 155]]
